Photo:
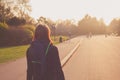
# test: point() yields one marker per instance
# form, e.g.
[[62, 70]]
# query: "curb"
[[66, 59]]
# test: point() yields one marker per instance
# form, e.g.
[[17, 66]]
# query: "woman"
[[43, 62]]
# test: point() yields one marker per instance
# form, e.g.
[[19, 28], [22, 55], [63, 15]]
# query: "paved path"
[[16, 70], [97, 58]]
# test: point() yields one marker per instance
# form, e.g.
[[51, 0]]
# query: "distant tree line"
[[72, 28], [91, 24], [114, 27], [84, 26]]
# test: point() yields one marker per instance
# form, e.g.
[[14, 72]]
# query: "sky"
[[76, 9]]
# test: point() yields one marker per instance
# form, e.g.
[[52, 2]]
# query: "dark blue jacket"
[[53, 65]]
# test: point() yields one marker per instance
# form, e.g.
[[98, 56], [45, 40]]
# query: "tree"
[[114, 26], [22, 7], [91, 24], [66, 27], [84, 25], [5, 12]]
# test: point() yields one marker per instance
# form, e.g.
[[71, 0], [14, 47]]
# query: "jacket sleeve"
[[29, 69], [59, 75]]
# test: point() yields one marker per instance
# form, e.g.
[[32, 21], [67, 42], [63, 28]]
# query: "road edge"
[[66, 59]]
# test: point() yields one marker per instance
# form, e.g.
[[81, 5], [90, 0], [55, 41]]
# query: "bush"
[[29, 27], [21, 36], [27, 36], [17, 37]]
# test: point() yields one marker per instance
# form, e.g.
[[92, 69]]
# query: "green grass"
[[13, 53]]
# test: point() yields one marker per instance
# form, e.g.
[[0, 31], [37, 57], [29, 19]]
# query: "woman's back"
[[51, 61]]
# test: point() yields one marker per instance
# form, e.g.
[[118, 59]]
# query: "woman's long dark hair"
[[42, 32]]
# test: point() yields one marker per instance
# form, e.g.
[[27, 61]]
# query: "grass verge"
[[12, 53]]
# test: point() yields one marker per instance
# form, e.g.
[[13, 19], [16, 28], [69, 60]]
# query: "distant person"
[[105, 35], [60, 39], [90, 34], [43, 62], [87, 35]]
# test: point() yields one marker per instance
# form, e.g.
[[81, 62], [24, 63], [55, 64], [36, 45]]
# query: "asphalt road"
[[16, 70], [97, 58]]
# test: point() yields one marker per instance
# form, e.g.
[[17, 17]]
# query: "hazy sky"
[[76, 9]]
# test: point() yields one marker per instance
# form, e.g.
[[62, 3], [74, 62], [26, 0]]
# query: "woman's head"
[[42, 32]]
